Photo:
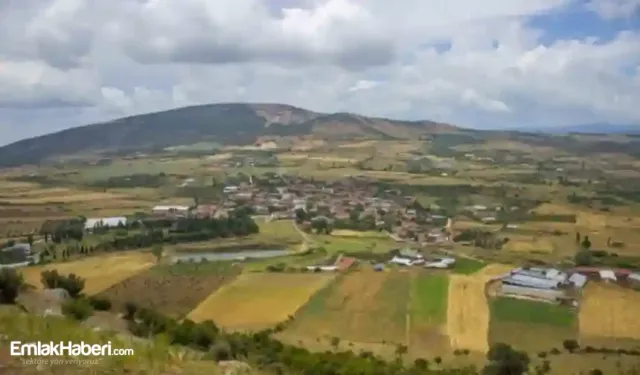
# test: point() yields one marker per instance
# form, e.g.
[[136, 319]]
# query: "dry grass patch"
[[259, 300], [71, 197], [99, 272], [553, 209], [609, 310], [528, 244], [467, 313]]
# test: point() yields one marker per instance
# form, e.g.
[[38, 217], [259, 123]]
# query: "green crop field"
[[429, 297], [363, 307], [465, 266], [515, 310]]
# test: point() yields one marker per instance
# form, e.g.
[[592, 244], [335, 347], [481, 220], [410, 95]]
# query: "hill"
[[225, 123]]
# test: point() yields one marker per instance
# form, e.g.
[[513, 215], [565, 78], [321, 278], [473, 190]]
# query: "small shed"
[[608, 275], [634, 279], [578, 280], [379, 267]]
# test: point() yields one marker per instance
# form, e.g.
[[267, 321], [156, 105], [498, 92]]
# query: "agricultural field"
[[354, 233], [334, 244], [255, 301], [541, 326], [99, 272], [276, 234], [174, 289], [615, 318], [468, 314], [363, 307], [427, 317]]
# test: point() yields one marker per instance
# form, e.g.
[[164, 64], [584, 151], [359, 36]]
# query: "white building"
[[401, 261], [608, 275], [170, 209], [105, 222]]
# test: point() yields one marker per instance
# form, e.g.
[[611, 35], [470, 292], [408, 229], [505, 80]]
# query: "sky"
[[480, 64]]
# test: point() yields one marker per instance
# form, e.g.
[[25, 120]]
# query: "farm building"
[[161, 210], [634, 280], [441, 263], [401, 261], [18, 255], [531, 282], [546, 294], [578, 280], [105, 222], [344, 263], [608, 275], [379, 267], [322, 268]]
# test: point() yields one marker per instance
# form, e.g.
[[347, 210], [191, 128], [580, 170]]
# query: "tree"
[[583, 258], [401, 350], [570, 345], [11, 281], [504, 360], [157, 251], [586, 243], [335, 342], [421, 364], [30, 239], [72, 284], [130, 310], [596, 371], [577, 238]]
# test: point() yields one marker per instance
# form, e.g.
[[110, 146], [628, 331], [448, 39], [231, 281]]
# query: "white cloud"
[[612, 9], [378, 57]]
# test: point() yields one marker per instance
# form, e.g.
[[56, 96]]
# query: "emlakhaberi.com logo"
[[57, 349]]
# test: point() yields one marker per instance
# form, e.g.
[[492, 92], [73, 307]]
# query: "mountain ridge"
[[226, 123]]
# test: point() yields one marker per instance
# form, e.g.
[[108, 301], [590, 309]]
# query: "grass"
[[466, 266], [259, 300], [155, 356], [429, 297], [99, 272], [335, 244], [516, 310], [277, 234]]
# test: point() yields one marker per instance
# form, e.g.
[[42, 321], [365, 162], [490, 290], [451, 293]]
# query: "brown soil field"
[[99, 272], [173, 290], [259, 300], [609, 310], [363, 306]]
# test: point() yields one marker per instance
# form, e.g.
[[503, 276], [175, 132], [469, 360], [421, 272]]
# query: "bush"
[[130, 310], [78, 309], [100, 304], [72, 283], [11, 282]]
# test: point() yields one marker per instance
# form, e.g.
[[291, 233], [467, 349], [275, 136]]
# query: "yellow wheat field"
[[99, 272], [259, 300], [467, 313], [527, 244], [610, 311]]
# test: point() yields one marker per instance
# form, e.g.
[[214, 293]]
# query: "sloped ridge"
[[225, 123]]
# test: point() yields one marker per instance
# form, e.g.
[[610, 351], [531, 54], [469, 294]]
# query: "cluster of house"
[[410, 257], [334, 200], [17, 255]]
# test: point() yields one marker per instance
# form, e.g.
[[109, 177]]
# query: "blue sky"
[[489, 64]]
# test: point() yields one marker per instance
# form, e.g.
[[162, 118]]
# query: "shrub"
[[100, 304], [11, 282], [78, 309], [130, 310]]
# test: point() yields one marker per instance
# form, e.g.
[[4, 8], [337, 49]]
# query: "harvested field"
[[467, 313], [259, 300], [553, 209], [609, 311], [175, 289], [99, 272], [363, 306], [529, 244]]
